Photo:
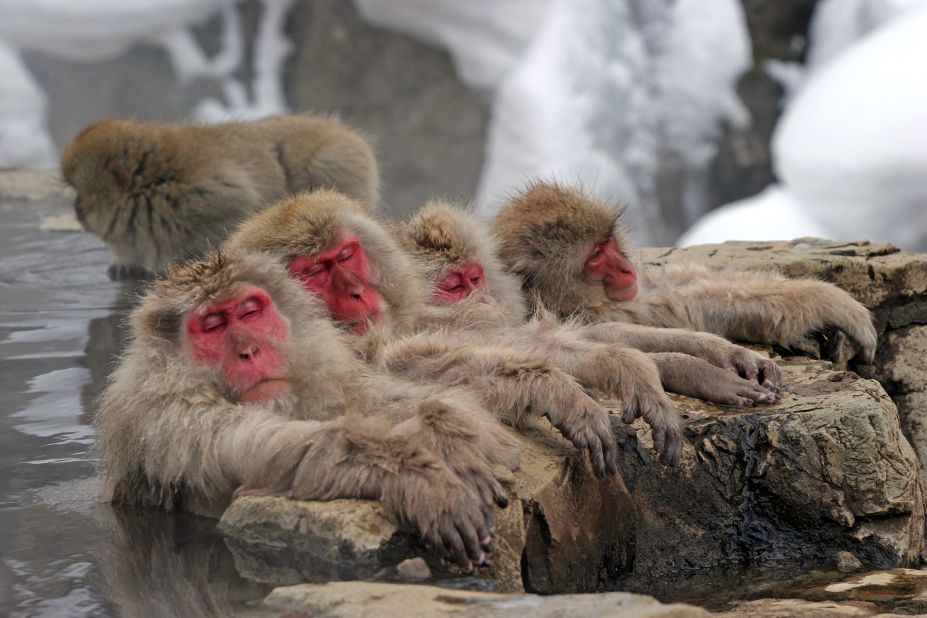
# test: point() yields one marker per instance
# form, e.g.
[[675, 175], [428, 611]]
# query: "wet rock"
[[847, 562], [825, 470], [877, 593], [362, 600], [564, 530], [891, 282], [38, 187], [413, 569]]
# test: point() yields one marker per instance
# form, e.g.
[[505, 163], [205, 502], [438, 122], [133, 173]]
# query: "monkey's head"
[[568, 250], [235, 324], [105, 164], [459, 257], [340, 254]]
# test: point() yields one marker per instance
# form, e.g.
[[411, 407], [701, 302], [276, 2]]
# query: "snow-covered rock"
[[620, 96], [24, 140], [852, 146]]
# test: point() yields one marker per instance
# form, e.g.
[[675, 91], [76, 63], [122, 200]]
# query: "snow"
[[95, 29], [24, 140], [851, 147], [484, 37], [608, 92], [772, 214]]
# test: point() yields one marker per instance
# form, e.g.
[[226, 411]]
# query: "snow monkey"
[[237, 381], [160, 193], [348, 259], [459, 258], [571, 253]]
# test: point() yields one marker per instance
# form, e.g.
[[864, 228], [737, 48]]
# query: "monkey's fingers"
[[770, 374], [631, 412]]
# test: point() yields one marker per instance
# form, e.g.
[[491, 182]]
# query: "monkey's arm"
[[512, 386], [367, 456], [618, 371], [716, 350], [698, 378], [749, 306]]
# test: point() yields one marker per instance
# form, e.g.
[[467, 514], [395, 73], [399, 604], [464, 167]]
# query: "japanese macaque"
[[236, 381], [350, 261], [160, 193], [459, 258], [571, 254]]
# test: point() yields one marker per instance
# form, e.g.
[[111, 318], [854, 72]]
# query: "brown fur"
[[160, 193], [442, 234], [545, 234], [513, 385], [172, 433]]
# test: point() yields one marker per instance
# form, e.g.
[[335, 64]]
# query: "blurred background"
[[708, 119]]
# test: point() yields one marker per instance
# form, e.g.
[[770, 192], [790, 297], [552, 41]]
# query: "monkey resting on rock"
[[237, 381], [160, 193], [345, 257], [459, 260], [571, 254]]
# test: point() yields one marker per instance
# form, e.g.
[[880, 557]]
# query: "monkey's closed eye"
[[250, 308], [212, 323], [347, 253]]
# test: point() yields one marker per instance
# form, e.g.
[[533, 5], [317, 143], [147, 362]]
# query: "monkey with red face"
[[571, 254], [327, 241], [452, 245], [236, 381]]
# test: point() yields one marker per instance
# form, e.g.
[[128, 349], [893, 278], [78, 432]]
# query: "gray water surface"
[[62, 551]]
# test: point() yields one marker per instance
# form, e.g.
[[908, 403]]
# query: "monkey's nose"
[[248, 352]]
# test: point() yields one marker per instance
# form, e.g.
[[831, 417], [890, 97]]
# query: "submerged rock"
[[564, 530], [363, 599]]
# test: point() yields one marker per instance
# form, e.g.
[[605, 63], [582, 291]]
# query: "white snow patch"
[[24, 139], [484, 37], [852, 147], [771, 215], [609, 91]]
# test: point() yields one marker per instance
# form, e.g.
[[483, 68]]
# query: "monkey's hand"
[[837, 308], [586, 424], [696, 377], [632, 377], [747, 364], [448, 513]]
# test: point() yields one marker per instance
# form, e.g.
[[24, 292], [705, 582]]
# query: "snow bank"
[[608, 92], [485, 38], [851, 147], [24, 140], [773, 214]]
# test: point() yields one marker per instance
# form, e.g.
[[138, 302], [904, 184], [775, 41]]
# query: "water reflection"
[[62, 552]]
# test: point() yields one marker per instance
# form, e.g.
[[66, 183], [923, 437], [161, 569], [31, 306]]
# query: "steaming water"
[[65, 553]]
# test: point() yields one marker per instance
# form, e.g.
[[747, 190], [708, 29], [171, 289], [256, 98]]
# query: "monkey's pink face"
[[243, 337], [606, 264], [458, 282], [340, 275]]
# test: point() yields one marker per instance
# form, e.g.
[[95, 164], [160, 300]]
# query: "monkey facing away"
[[459, 258], [571, 254], [348, 259], [237, 381], [159, 193]]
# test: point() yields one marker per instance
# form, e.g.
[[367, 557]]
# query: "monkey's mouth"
[[362, 325], [621, 294], [265, 390]]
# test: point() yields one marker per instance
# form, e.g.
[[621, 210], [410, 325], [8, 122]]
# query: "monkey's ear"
[[120, 175], [163, 323]]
